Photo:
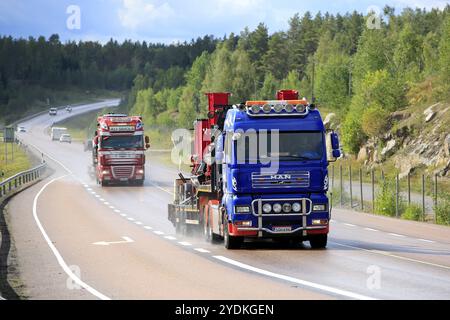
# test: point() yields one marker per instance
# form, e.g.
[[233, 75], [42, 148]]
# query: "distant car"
[[69, 109], [65, 138], [21, 129], [53, 111]]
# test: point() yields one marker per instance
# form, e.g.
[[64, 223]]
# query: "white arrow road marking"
[[104, 243]]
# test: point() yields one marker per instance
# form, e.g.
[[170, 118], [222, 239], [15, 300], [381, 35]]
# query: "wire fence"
[[415, 197]]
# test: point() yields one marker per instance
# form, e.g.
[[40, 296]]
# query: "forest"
[[360, 73]]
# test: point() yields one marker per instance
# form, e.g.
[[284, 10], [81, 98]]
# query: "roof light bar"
[[277, 108]]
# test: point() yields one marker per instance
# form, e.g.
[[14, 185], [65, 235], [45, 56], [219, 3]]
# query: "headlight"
[[140, 171], [296, 207], [105, 172], [287, 207], [319, 207], [277, 208], [242, 209], [267, 208]]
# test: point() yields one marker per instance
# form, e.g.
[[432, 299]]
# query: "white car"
[[21, 129], [53, 111], [65, 138], [69, 109]]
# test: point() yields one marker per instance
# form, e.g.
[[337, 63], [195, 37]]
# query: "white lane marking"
[[105, 243], [161, 188], [102, 200], [138, 223], [425, 240], [89, 189], [349, 225], [396, 235], [370, 229], [117, 211], [202, 250], [294, 280], [148, 228], [159, 233], [123, 214], [55, 251], [1, 298], [387, 254], [50, 157], [170, 238], [106, 203], [85, 185], [131, 219], [184, 243], [112, 207], [93, 192], [97, 196]]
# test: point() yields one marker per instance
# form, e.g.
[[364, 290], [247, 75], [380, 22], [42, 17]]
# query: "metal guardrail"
[[21, 179]]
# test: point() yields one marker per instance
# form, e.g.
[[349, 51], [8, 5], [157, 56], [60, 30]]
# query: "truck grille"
[[122, 172], [298, 179]]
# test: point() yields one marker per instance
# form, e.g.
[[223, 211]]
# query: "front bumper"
[[291, 224]]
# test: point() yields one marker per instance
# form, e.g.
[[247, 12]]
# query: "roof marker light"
[[267, 108], [256, 108], [289, 108], [278, 108]]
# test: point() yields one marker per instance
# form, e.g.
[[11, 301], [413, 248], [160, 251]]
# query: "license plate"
[[282, 229], [123, 179]]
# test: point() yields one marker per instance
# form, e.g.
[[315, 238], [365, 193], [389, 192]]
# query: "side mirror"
[[147, 140], [95, 133], [147, 145], [333, 148], [95, 140]]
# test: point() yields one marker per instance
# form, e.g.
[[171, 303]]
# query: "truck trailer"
[[259, 170], [118, 149]]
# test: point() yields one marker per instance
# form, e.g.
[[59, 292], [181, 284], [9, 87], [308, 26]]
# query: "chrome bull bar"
[[259, 214]]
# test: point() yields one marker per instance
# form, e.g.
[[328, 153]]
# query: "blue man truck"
[[259, 170]]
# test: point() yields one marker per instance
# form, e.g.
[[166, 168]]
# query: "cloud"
[[140, 13]]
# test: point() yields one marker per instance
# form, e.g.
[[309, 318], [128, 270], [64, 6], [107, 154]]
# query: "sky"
[[169, 21]]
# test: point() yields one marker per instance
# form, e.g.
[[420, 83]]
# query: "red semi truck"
[[119, 149]]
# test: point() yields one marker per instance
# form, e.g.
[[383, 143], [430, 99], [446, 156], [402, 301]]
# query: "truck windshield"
[[122, 142], [280, 146]]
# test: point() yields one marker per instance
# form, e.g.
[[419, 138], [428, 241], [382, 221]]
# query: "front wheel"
[[319, 241], [231, 242]]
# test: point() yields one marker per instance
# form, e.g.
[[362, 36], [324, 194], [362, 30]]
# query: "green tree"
[[444, 51]]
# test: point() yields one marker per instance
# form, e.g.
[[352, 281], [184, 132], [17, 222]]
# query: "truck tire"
[[318, 241], [231, 242]]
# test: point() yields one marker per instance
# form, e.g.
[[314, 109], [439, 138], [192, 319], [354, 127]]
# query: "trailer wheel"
[[319, 241], [231, 242]]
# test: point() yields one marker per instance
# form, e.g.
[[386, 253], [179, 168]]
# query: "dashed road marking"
[[117, 211], [123, 214], [148, 227], [138, 223], [184, 243], [426, 240], [370, 229], [170, 238], [396, 235], [202, 250], [106, 203], [158, 232], [349, 225], [111, 207], [131, 219]]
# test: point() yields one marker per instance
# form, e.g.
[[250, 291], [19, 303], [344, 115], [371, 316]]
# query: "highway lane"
[[367, 257]]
